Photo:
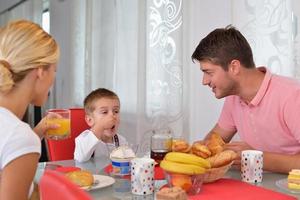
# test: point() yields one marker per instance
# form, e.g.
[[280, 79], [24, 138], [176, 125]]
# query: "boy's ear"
[[89, 120]]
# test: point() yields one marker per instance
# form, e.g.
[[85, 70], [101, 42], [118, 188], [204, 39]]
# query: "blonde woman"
[[28, 57]]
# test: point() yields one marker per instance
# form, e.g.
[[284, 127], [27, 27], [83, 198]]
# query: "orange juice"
[[63, 131]]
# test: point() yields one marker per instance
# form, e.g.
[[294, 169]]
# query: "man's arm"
[[225, 134], [274, 162], [281, 163]]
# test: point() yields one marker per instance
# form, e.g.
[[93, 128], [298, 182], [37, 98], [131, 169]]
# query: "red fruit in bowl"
[[182, 180]]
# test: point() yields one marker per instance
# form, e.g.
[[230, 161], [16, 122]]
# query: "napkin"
[[67, 169], [230, 189]]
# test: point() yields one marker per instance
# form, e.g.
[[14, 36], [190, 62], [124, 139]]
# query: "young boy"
[[102, 114]]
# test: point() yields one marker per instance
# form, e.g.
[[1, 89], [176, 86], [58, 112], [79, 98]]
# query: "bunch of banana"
[[184, 163]]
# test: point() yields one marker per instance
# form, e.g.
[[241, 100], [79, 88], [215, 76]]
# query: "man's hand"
[[238, 147]]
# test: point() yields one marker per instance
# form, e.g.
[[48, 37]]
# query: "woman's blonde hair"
[[24, 46]]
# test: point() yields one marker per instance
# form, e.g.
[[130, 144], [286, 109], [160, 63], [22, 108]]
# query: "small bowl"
[[121, 166], [191, 184], [215, 174]]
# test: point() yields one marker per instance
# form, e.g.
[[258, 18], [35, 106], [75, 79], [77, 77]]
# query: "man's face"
[[217, 79]]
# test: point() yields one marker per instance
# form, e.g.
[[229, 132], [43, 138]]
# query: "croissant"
[[215, 143], [222, 158], [180, 145], [200, 149]]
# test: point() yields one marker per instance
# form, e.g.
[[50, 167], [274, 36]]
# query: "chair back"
[[54, 185], [64, 149]]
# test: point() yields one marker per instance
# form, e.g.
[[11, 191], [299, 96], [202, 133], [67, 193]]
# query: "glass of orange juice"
[[62, 118]]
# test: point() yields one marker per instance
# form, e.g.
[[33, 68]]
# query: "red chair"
[[64, 149], [54, 185]]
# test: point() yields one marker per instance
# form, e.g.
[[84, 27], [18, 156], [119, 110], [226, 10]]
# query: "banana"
[[186, 158], [181, 168]]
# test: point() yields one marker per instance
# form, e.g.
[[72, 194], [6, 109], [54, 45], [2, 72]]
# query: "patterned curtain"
[[164, 65], [132, 47], [269, 26]]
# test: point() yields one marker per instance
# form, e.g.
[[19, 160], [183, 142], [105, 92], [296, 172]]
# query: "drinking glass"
[[60, 117]]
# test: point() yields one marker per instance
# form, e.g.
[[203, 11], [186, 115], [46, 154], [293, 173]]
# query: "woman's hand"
[[41, 128]]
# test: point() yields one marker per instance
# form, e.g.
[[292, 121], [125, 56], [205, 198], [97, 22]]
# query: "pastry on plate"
[[81, 178], [173, 193], [294, 179]]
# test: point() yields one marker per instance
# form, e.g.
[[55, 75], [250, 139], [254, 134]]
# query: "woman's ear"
[[89, 120], [40, 73]]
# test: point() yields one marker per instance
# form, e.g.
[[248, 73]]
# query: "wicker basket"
[[214, 174]]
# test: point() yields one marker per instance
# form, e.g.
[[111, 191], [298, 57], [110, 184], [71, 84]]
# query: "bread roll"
[[200, 149], [215, 143], [222, 158], [215, 137], [81, 178], [180, 145]]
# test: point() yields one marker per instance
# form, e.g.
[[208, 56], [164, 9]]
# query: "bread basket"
[[214, 174]]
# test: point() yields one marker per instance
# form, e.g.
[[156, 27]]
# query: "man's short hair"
[[223, 45]]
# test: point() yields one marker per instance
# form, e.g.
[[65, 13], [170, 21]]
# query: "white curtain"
[[132, 47], [141, 50], [31, 10], [269, 26]]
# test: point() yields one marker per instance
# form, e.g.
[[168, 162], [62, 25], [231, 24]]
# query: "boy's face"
[[106, 115]]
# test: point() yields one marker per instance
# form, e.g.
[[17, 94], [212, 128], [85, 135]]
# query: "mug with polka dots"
[[252, 166], [142, 176]]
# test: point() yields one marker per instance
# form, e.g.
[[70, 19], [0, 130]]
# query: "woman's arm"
[[17, 177]]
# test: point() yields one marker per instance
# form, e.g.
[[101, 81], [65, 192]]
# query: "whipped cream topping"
[[122, 152]]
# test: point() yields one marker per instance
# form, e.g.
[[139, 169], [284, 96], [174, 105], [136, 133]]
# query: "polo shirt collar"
[[263, 88]]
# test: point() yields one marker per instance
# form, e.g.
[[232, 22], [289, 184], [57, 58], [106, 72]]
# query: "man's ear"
[[234, 67], [89, 120]]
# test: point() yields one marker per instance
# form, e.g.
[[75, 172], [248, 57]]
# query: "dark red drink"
[[158, 155]]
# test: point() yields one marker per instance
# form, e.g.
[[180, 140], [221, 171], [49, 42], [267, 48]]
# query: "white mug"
[[142, 176], [252, 166]]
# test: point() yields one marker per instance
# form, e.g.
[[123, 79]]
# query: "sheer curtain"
[[31, 10], [132, 47], [270, 27], [141, 50]]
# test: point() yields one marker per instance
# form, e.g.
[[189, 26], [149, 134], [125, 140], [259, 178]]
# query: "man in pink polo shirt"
[[261, 107]]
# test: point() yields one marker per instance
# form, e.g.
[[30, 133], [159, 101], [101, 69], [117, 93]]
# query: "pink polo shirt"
[[271, 121]]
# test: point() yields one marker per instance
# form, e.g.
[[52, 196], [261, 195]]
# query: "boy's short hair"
[[96, 95]]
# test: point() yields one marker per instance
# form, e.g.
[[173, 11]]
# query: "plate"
[[283, 184], [100, 181]]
